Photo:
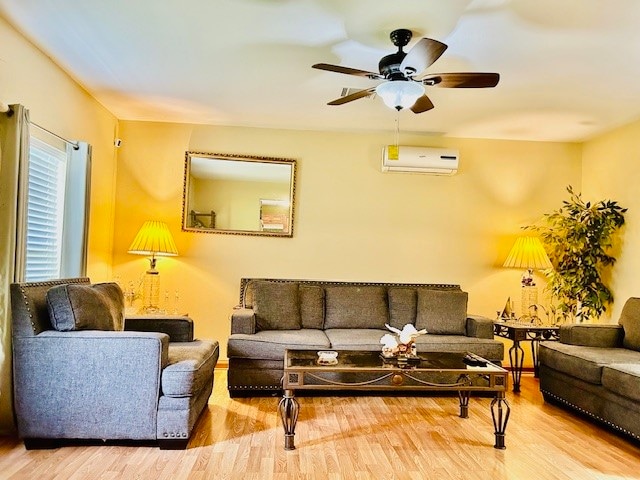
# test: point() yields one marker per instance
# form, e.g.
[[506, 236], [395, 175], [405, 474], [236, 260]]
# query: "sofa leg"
[[41, 443], [173, 444]]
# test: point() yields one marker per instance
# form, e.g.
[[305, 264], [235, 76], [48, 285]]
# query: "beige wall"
[[611, 166], [352, 221], [58, 104]]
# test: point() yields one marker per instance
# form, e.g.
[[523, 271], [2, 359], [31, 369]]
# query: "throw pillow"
[[276, 305], [312, 306], [402, 306], [86, 307], [630, 321], [357, 306], [442, 311]]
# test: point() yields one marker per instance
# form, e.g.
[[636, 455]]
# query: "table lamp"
[[528, 253], [154, 239]]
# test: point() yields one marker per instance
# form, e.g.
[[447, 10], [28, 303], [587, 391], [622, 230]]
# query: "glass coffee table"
[[369, 371]]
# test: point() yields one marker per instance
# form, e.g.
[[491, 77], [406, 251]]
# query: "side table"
[[522, 331], [178, 327]]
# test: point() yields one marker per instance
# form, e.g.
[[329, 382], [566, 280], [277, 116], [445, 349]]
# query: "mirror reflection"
[[239, 195]]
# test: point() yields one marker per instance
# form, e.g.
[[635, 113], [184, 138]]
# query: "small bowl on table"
[[327, 357]]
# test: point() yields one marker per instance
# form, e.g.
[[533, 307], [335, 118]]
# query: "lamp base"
[[151, 292], [528, 308]]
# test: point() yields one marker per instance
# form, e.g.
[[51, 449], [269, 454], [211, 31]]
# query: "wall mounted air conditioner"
[[435, 161]]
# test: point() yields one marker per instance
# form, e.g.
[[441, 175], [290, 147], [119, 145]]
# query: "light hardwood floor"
[[354, 438]]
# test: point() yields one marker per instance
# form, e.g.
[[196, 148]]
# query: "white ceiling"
[[569, 68]]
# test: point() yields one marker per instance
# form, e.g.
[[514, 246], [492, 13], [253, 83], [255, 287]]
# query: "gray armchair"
[[84, 381]]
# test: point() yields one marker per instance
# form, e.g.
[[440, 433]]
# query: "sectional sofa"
[[595, 369], [276, 314]]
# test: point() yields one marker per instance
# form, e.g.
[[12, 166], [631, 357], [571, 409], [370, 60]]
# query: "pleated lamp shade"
[[154, 238], [528, 253]]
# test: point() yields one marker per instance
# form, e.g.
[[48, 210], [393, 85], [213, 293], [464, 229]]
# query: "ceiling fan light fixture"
[[399, 94]]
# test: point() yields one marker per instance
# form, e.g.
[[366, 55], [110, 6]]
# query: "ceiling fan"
[[405, 75]]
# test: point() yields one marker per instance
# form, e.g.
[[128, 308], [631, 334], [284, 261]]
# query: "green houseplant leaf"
[[578, 238]]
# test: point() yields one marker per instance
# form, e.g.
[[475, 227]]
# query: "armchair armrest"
[[243, 320], [88, 384], [592, 335], [178, 327], [479, 326]]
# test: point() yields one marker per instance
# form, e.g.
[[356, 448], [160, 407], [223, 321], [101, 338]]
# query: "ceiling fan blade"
[[421, 56], [422, 105], [354, 96], [347, 70], [462, 80]]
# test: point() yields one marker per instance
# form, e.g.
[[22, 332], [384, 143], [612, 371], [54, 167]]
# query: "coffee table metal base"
[[289, 409], [500, 411], [442, 371]]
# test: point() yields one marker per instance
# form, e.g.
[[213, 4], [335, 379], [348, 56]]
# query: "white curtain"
[[14, 159]]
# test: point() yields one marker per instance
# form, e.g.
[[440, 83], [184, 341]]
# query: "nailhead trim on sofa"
[[563, 401]]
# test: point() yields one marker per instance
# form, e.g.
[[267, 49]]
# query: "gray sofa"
[[79, 375], [276, 314], [595, 369]]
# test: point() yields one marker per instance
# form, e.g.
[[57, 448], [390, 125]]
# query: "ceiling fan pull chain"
[[397, 139]]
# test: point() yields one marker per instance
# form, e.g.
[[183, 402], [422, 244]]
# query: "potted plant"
[[578, 238]]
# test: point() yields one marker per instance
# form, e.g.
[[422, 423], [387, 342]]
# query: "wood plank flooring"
[[354, 438]]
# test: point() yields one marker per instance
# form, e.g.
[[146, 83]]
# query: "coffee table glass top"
[[372, 360]]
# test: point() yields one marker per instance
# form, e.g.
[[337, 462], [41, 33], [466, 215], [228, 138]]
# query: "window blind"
[[45, 210]]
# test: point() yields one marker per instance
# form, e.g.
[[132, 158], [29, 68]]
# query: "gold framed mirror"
[[238, 195]]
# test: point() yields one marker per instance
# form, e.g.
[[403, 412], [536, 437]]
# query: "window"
[[45, 210], [57, 197]]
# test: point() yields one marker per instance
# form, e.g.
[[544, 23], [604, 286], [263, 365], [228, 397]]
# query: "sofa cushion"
[[623, 379], [276, 305], [271, 344], [442, 311], [362, 306], [355, 339], [86, 307], [585, 363], [630, 321], [190, 366], [403, 303], [592, 335], [311, 306]]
